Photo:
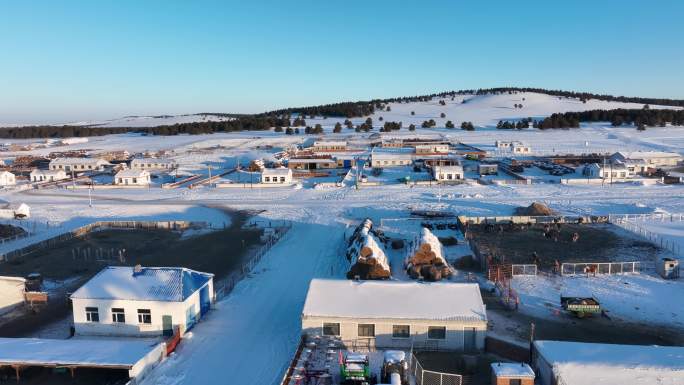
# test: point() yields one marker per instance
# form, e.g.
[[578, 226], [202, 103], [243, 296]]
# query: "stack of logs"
[[426, 258], [366, 254]]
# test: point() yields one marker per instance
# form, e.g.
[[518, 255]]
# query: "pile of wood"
[[426, 258], [366, 254]]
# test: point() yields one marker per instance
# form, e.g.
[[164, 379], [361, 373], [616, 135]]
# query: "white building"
[[487, 169], [650, 158], [391, 314], [131, 177], [69, 141], [153, 164], [47, 175], [579, 363], [423, 149], [613, 171], [78, 164], [141, 301], [7, 178], [276, 176], [520, 148], [323, 146], [382, 160], [15, 210], [11, 293], [447, 173]]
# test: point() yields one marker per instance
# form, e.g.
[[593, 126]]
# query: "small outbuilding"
[[38, 175], [132, 177], [668, 268], [153, 164], [505, 373], [276, 176], [142, 301], [7, 178], [448, 174], [393, 314], [11, 293]]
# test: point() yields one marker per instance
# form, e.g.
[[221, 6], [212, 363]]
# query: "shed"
[[132, 177], [505, 373], [7, 178], [447, 174], [11, 293], [38, 175], [276, 176], [668, 268], [391, 314], [142, 301]]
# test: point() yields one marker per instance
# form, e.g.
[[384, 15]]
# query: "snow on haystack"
[[425, 258], [366, 254]]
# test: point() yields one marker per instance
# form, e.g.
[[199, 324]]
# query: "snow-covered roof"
[[329, 143], [449, 169], [311, 160], [391, 155], [646, 154], [5, 172], [152, 161], [151, 284], [70, 161], [394, 300], [277, 171], [507, 369], [131, 173], [37, 171], [579, 363], [74, 351], [17, 279]]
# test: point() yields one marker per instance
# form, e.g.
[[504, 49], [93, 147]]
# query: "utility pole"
[[209, 180], [90, 197]]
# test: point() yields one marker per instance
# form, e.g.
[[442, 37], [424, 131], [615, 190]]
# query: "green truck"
[[580, 305], [355, 369]]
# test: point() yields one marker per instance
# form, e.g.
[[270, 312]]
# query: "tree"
[[388, 109], [442, 103], [338, 128], [413, 112], [278, 129], [296, 131], [412, 127], [449, 124], [641, 127], [442, 115], [289, 131], [318, 129], [380, 118], [348, 123], [467, 126]]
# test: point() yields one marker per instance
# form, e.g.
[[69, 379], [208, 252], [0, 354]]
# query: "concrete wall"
[[142, 367], [383, 332], [11, 293]]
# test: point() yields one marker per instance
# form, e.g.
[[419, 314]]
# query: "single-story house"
[[15, 210], [651, 158], [508, 373], [520, 148], [38, 175], [345, 161], [7, 178], [153, 164], [78, 164], [141, 301], [614, 171], [422, 149], [580, 363], [394, 314], [432, 161], [447, 173], [392, 143], [311, 163], [487, 169], [132, 177], [323, 146], [11, 293], [503, 144], [276, 176], [382, 160]]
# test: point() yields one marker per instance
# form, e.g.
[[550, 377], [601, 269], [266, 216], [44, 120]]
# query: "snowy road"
[[251, 334]]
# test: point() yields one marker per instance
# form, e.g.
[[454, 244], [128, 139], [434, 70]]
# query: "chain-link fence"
[[429, 377], [600, 268]]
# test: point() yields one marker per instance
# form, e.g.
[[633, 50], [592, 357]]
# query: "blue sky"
[[70, 60]]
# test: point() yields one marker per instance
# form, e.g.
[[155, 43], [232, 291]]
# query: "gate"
[[530, 269], [429, 377]]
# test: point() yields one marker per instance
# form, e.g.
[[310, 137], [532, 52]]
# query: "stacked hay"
[[426, 258], [366, 254], [536, 209]]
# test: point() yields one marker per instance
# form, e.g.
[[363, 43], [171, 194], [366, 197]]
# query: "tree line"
[[641, 118]]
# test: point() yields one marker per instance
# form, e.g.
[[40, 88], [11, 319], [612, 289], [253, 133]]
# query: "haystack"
[[536, 209], [366, 254], [426, 258]]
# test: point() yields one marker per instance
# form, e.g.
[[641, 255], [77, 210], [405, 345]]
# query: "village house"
[[389, 314], [131, 177], [447, 174], [142, 301], [520, 148], [11, 293], [311, 163], [613, 171], [15, 211], [426, 149], [382, 160], [579, 363], [7, 178], [78, 164], [502, 144], [276, 176], [153, 164], [326, 146], [649, 158], [38, 175], [392, 143]]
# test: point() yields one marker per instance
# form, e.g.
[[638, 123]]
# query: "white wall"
[[11, 293], [140, 369], [383, 331]]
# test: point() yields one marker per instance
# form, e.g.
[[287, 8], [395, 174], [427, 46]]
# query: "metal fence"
[[530, 269], [602, 268], [636, 222], [429, 377]]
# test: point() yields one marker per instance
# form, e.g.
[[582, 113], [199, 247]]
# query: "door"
[[167, 325], [469, 339], [205, 300], [347, 163]]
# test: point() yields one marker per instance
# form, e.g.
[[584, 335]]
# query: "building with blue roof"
[[142, 301]]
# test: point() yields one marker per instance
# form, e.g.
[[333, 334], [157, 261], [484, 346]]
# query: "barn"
[[141, 301], [391, 314]]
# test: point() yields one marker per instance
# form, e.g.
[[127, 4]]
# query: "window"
[[515, 381], [366, 330], [135, 180], [267, 178], [401, 331], [436, 332], [282, 179], [331, 329], [92, 314], [118, 315], [144, 316]]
